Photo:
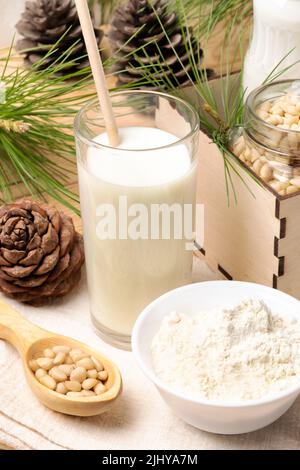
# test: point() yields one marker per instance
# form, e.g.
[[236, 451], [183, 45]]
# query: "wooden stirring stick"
[[98, 71]]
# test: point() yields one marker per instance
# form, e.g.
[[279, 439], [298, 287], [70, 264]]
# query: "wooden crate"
[[256, 239]]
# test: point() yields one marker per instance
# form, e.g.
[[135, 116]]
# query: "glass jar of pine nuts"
[[269, 142]]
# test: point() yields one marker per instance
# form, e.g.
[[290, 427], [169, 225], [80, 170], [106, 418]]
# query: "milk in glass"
[[129, 268]]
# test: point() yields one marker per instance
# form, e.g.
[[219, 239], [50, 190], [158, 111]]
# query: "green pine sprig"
[[218, 117], [207, 14], [37, 152]]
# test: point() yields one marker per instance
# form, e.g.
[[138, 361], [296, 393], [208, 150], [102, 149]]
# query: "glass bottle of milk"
[[137, 205], [275, 42]]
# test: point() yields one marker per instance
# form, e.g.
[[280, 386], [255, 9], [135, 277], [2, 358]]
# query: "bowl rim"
[[216, 403]]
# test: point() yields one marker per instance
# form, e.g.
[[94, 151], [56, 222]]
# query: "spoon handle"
[[18, 331]]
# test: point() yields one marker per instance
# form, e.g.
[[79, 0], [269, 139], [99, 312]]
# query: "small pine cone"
[[144, 32], [43, 24], [40, 253]]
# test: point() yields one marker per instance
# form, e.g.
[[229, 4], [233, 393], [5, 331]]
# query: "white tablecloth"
[[139, 420]]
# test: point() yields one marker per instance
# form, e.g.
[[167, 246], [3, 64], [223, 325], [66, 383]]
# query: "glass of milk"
[[137, 205]]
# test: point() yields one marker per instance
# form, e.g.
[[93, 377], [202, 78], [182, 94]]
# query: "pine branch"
[[217, 118], [37, 152], [102, 10]]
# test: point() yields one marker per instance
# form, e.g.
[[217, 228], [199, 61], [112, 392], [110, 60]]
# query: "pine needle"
[[217, 119], [36, 147]]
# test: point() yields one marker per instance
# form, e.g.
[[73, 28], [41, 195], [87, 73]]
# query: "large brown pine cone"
[[42, 25], [145, 33], [40, 253]]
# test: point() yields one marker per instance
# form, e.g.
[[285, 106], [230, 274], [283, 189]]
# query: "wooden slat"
[[238, 238]]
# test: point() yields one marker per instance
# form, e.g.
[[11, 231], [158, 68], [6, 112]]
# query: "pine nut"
[[92, 374], [61, 388], [73, 386], [280, 174], [39, 373], [33, 365], [274, 119], [238, 149], [87, 384], [239, 146], [276, 185], [291, 120], [45, 362], [254, 155], [284, 113], [59, 358], [266, 106], [86, 362], [263, 115], [266, 172], [74, 353], [49, 353], [87, 393], [97, 363], [282, 179], [78, 374], [69, 360], [99, 388], [78, 356], [257, 166], [274, 138], [70, 372], [48, 381], [260, 151], [61, 348], [282, 192], [103, 375], [58, 374], [292, 110], [74, 394], [240, 140], [292, 189], [277, 110], [247, 153], [66, 368], [295, 181]]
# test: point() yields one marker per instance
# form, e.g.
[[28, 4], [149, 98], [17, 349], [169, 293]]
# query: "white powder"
[[243, 353]]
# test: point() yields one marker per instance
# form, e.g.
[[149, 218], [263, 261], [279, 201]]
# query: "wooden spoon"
[[30, 341]]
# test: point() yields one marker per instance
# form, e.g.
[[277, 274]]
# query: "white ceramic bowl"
[[213, 416]]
